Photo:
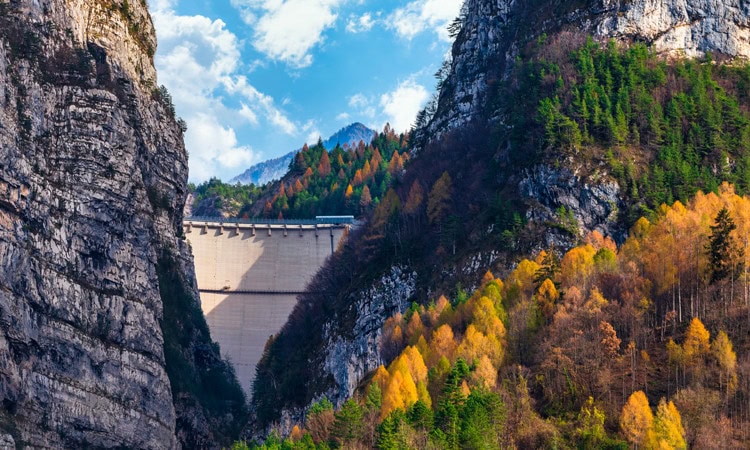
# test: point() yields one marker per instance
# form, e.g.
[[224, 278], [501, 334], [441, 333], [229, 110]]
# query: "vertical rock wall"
[[93, 176]]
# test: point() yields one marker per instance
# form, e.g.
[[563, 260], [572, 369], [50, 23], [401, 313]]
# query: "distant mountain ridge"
[[274, 169]]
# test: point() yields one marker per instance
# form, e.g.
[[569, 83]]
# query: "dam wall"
[[249, 276]]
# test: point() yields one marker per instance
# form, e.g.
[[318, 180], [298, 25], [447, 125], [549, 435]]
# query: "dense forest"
[[664, 130], [342, 181], [604, 347]]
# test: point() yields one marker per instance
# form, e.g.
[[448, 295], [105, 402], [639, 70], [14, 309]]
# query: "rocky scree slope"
[[102, 343], [339, 328]]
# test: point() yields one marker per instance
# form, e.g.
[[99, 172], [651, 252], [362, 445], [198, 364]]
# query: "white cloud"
[[239, 85], [343, 117], [402, 105], [423, 15], [361, 24], [248, 114], [363, 106], [288, 30], [214, 145], [198, 60], [313, 133], [161, 5], [358, 100]]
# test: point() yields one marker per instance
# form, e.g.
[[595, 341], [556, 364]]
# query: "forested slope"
[[570, 352], [343, 181], [537, 142]]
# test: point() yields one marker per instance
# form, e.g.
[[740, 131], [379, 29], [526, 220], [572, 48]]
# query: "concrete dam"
[[249, 275]]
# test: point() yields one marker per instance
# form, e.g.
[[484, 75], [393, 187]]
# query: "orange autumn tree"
[[324, 167], [438, 201]]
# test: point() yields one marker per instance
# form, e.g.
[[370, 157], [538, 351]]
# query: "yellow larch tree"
[[668, 429], [475, 344], [392, 399], [442, 344], [546, 298], [484, 374], [400, 393], [696, 343], [484, 317], [414, 199], [577, 266], [414, 328], [520, 282], [726, 359], [381, 378], [438, 201], [637, 421]]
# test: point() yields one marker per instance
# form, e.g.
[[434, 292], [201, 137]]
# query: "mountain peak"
[[273, 169]]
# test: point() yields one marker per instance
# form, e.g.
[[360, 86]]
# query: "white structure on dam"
[[250, 274]]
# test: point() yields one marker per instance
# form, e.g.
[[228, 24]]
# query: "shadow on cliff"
[[204, 387]]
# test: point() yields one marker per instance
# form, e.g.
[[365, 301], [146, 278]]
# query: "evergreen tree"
[[723, 251], [348, 426]]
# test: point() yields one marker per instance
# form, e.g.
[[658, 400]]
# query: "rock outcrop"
[[93, 176], [350, 358]]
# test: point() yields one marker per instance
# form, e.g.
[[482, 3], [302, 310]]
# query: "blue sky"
[[255, 79]]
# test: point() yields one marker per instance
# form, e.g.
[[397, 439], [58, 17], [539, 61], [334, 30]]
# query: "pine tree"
[[722, 249], [348, 426]]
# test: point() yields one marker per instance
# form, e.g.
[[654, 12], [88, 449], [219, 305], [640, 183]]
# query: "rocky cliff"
[[493, 31], [95, 283]]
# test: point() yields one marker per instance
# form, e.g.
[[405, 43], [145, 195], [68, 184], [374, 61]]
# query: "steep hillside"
[[572, 352], [102, 343], [274, 169], [539, 137]]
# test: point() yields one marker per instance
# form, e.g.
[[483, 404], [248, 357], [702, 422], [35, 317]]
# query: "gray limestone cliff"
[[492, 32], [94, 277]]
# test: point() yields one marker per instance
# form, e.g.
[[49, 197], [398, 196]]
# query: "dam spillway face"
[[249, 276]]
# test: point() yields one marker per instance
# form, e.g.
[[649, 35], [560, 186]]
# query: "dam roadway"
[[249, 275]]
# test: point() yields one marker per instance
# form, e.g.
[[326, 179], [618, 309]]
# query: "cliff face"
[[93, 177], [494, 30]]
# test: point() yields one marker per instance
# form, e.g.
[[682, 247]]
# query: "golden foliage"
[[442, 344], [726, 359], [696, 341], [546, 298], [438, 201], [668, 429], [484, 374], [637, 420]]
